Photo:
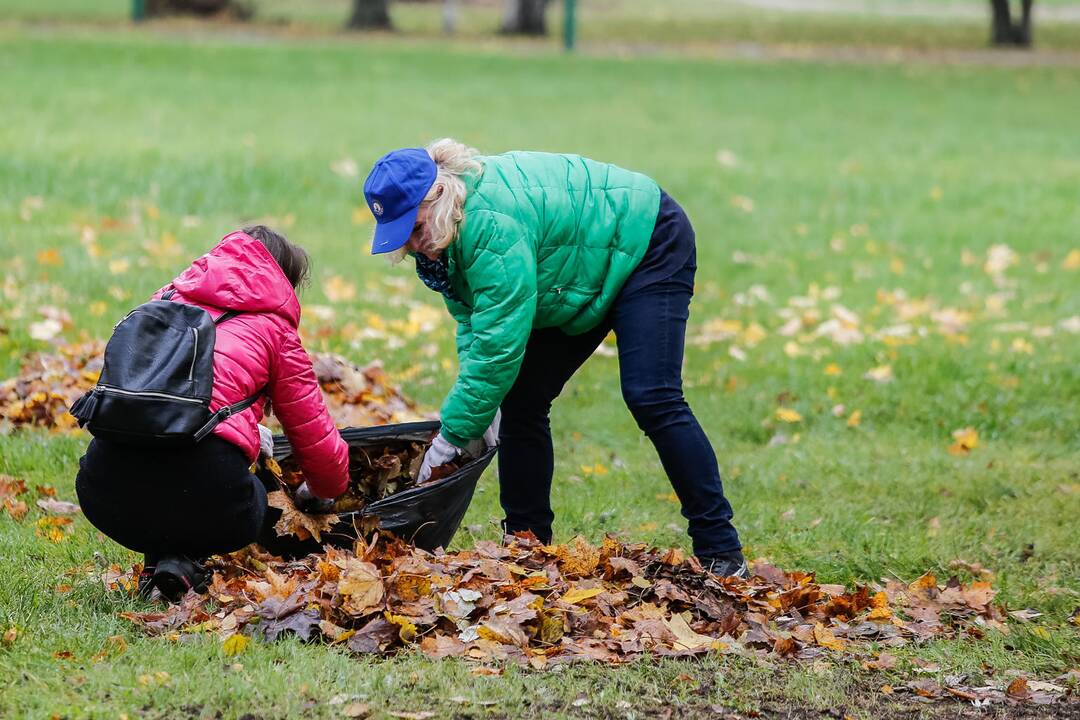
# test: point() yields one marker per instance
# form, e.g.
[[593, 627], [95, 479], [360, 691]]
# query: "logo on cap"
[[376, 207]]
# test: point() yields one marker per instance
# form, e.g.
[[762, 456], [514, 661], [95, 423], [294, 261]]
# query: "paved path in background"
[[918, 8], [751, 52], [842, 55]]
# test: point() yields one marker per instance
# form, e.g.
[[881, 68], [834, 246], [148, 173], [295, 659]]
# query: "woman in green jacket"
[[538, 256]]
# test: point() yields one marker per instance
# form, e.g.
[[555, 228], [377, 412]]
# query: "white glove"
[[491, 435], [440, 453], [309, 502], [490, 439], [266, 441]]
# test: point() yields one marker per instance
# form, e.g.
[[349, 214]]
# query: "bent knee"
[[651, 398]]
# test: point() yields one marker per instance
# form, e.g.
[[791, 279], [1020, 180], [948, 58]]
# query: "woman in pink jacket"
[[179, 506]]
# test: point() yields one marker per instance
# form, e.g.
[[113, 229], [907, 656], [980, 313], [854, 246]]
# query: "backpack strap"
[[227, 315], [224, 414]]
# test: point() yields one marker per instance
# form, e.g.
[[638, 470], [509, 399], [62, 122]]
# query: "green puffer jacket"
[[547, 241]]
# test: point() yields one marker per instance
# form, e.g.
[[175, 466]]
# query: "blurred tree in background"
[[370, 15], [525, 17], [1005, 30]]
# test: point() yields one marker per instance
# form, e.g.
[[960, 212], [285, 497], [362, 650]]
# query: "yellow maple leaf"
[[1021, 345], [832, 369], [575, 595], [50, 257], [824, 637], [967, 439], [1072, 260], [741, 202], [788, 415], [406, 629], [854, 418], [338, 289], [361, 586], [685, 636], [880, 613], [881, 374], [234, 645], [754, 334]]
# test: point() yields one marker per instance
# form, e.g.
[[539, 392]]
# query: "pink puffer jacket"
[[260, 349]]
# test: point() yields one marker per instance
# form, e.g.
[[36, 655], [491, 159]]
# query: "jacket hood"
[[240, 274]]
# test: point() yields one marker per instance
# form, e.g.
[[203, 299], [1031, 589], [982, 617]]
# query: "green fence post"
[[569, 26], [138, 10]]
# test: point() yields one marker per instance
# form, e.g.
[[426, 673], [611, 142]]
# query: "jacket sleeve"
[[502, 276], [298, 404], [463, 337]]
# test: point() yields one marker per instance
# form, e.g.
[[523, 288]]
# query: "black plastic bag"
[[426, 516]]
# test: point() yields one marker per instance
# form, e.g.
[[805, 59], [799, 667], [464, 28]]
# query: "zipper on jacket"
[[194, 355], [148, 393]]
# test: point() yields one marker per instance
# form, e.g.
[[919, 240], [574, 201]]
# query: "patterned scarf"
[[435, 274]]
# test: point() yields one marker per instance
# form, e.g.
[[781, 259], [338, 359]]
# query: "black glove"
[[309, 502]]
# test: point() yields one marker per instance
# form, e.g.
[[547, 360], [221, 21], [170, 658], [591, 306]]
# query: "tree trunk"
[[1005, 31], [525, 17], [450, 16], [236, 9], [370, 15]]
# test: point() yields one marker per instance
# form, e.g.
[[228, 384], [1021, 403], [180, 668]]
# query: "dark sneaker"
[[731, 564], [175, 575]]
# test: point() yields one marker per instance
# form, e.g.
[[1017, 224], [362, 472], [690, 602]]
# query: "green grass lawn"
[[878, 189], [963, 24]]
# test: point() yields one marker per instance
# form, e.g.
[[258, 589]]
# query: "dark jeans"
[[649, 319], [196, 501]]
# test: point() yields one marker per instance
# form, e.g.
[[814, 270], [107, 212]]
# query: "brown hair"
[[292, 259]]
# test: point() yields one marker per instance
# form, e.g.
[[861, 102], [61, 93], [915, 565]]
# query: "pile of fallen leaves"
[[49, 383], [361, 396], [542, 605]]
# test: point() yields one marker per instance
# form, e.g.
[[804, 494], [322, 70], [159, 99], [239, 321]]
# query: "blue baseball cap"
[[394, 189]]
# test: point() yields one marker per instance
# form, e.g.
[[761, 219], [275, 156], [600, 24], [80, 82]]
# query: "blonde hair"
[[446, 198]]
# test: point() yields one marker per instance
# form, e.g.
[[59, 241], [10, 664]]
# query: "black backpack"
[[155, 383]]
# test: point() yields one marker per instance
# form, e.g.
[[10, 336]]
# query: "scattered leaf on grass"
[[882, 374], [967, 439], [50, 528], [57, 507], [10, 489], [234, 645], [788, 415]]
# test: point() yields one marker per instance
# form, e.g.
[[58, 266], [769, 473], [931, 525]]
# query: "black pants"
[[197, 501], [649, 319]]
